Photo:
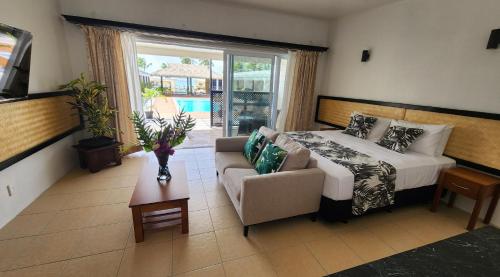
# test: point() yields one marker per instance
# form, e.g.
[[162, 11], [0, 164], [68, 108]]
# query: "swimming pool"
[[193, 104]]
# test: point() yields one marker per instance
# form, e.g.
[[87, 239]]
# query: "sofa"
[[266, 197]]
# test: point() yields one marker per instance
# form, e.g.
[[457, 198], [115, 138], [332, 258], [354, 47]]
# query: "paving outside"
[[81, 226], [203, 135]]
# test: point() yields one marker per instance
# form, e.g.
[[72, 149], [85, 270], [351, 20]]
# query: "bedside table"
[[472, 184]]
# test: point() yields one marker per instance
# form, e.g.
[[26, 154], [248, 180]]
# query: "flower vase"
[[163, 172]]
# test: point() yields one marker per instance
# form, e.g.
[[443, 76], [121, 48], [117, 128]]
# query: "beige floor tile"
[[25, 225], [47, 203], [103, 239], [333, 254], [274, 235], [118, 182], [295, 261], [210, 164], [396, 237], [255, 265], [428, 231], [224, 217], [46, 270], [199, 222], [208, 173], [366, 245], [71, 219], [102, 265], [114, 213], [307, 230], [196, 186], [38, 250], [211, 271], [151, 236], [88, 199], [217, 198], [195, 252], [212, 184], [15, 252], [120, 195], [147, 260], [233, 244], [197, 202]]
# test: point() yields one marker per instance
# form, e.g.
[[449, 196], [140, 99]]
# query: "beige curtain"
[[300, 112], [107, 66]]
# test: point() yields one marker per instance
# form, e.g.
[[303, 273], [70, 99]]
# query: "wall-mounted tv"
[[15, 59]]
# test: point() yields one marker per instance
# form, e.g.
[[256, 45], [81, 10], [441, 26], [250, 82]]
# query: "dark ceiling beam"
[[189, 34]]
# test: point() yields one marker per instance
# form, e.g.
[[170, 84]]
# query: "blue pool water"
[[194, 105]]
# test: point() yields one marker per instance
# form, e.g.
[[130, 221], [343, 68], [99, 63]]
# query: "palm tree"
[[164, 65], [186, 60], [141, 63]]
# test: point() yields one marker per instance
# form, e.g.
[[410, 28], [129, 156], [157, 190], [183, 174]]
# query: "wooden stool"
[[472, 184]]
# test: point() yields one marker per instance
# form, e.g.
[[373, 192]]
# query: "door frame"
[[227, 85]]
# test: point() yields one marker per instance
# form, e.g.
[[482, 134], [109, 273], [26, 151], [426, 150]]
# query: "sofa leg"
[[217, 173], [314, 216], [245, 231]]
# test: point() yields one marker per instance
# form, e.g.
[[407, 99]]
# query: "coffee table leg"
[[185, 217], [138, 228]]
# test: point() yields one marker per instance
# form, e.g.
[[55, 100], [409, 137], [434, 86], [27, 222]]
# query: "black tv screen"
[[15, 58]]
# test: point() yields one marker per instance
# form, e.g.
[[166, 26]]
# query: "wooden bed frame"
[[474, 142]]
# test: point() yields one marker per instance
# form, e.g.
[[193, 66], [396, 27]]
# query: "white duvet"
[[412, 169]]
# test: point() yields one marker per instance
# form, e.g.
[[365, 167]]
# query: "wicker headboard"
[[30, 124], [474, 142]]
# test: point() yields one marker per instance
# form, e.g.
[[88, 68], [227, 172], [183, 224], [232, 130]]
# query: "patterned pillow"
[[271, 159], [360, 125], [399, 138], [253, 146]]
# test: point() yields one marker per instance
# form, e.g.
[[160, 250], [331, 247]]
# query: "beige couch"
[[260, 198]]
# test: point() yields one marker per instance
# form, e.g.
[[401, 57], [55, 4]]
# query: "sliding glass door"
[[250, 91]]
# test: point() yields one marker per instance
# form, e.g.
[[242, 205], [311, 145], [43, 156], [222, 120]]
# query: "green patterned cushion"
[[253, 146], [271, 159]]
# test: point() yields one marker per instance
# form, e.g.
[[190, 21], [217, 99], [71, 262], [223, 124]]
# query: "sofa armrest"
[[279, 195], [230, 144]]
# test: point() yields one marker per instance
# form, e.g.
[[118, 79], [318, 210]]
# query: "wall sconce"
[[494, 39], [365, 56]]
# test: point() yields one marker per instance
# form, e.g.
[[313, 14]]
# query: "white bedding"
[[412, 169]]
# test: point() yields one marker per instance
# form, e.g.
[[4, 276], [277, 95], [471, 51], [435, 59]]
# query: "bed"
[[416, 173]]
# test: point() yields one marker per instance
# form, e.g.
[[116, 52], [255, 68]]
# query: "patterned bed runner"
[[374, 181]]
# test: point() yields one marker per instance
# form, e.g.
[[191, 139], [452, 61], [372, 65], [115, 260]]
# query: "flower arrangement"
[[161, 136]]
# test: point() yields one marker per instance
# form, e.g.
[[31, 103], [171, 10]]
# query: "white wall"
[[423, 52], [50, 68]]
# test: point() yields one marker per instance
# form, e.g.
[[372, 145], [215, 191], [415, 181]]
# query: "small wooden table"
[[472, 184], [96, 159], [156, 205]]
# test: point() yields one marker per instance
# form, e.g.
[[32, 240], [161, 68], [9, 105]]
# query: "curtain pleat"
[[300, 112], [108, 67]]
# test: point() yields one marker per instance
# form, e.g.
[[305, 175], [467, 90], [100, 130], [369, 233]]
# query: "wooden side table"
[[472, 184], [96, 159]]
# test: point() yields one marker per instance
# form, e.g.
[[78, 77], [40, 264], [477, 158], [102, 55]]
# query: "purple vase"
[[163, 172]]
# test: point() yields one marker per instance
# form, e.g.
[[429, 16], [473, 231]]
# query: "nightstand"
[[471, 184]]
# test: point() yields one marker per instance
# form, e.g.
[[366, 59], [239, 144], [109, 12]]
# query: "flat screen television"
[[15, 59]]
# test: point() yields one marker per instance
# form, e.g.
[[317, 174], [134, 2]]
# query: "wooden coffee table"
[[156, 205]]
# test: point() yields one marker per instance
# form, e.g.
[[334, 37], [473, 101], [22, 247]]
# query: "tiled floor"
[[82, 226]]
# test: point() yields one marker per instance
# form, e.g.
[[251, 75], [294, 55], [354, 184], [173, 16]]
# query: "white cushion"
[[297, 155], [444, 140], [379, 129], [429, 142]]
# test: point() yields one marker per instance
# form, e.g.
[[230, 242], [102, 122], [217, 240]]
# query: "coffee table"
[[156, 205]]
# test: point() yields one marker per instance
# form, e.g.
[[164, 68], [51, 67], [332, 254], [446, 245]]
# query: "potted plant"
[[161, 136], [91, 101], [147, 95]]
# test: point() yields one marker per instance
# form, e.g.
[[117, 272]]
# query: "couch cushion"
[[298, 155], [269, 133], [225, 160], [271, 159], [234, 178], [253, 146]]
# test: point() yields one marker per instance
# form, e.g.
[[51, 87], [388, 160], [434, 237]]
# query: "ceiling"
[[324, 9]]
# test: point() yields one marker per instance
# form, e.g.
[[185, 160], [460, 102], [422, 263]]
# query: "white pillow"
[[444, 140], [429, 142], [379, 129]]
